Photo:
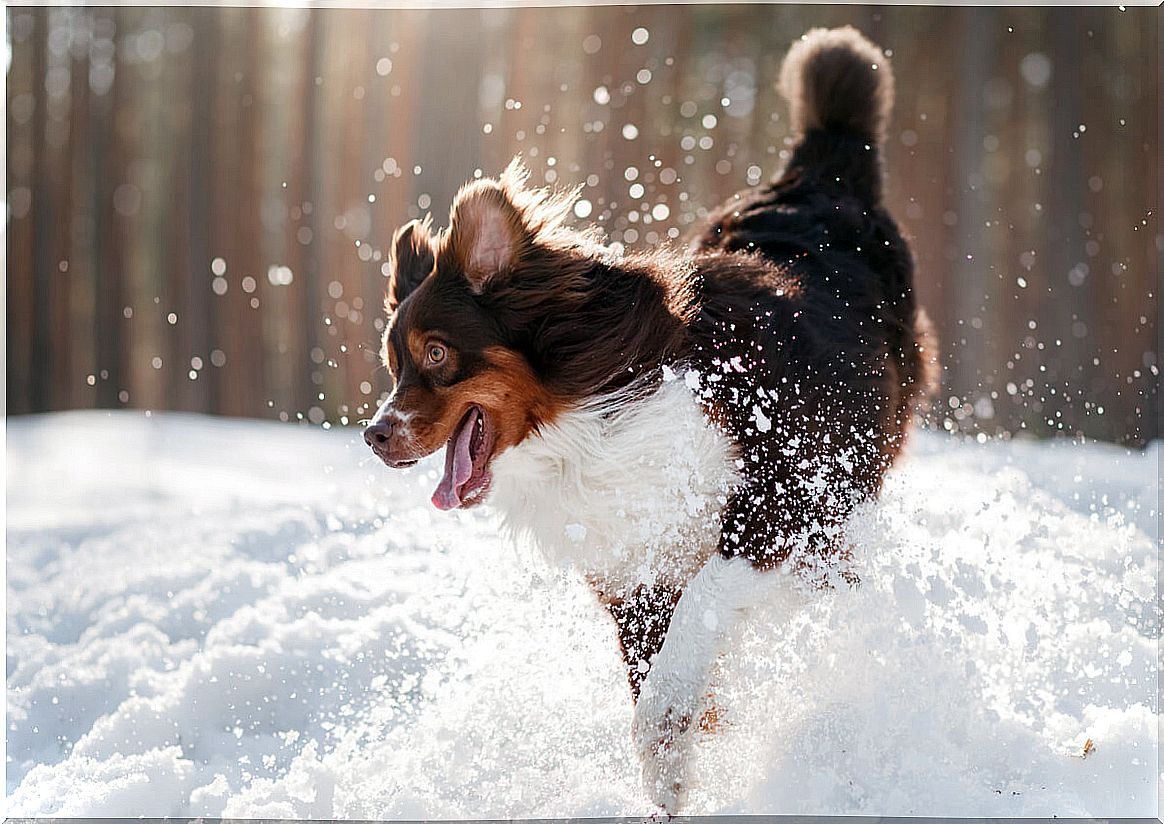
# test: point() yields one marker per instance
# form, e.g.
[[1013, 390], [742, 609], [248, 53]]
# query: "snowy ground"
[[210, 617]]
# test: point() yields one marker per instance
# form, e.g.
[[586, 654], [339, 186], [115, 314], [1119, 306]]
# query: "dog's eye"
[[436, 353]]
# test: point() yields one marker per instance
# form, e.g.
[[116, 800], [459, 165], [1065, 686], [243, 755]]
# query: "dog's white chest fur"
[[628, 496]]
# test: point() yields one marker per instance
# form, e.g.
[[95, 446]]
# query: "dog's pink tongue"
[[458, 466]]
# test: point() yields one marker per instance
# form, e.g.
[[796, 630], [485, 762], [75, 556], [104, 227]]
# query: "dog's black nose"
[[378, 434]]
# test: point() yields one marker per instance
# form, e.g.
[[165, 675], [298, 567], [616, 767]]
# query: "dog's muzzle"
[[379, 437]]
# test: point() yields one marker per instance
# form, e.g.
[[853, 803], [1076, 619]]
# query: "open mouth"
[[467, 457]]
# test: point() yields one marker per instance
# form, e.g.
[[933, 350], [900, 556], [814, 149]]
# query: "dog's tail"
[[839, 86]]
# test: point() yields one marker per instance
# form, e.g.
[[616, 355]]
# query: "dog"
[[673, 424]]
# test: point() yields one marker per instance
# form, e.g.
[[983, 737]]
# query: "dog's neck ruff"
[[628, 491]]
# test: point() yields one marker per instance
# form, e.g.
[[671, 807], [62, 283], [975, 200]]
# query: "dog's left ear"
[[410, 261], [486, 236]]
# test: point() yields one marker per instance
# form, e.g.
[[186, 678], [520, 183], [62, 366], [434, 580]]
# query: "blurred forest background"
[[199, 199]]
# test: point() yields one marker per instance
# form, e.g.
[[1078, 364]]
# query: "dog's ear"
[[410, 261], [487, 235]]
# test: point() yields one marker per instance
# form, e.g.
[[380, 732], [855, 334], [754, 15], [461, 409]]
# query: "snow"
[[222, 618]]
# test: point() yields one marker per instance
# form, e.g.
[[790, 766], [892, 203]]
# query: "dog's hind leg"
[[642, 619]]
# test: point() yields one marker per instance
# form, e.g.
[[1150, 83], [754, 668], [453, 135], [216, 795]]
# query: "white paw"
[[663, 725]]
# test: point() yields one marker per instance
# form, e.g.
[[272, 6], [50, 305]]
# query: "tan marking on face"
[[507, 389], [419, 343], [416, 341], [517, 402]]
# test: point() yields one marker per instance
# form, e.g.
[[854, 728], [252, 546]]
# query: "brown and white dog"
[[671, 424]]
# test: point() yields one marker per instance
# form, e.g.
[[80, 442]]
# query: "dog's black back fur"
[[815, 376]]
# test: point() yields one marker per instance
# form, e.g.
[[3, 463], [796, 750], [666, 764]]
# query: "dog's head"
[[457, 343]]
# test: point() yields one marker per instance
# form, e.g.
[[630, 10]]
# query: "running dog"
[[673, 424]]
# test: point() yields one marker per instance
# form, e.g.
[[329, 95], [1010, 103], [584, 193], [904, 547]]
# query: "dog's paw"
[[664, 780], [662, 736]]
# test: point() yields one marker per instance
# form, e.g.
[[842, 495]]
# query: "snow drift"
[[208, 617]]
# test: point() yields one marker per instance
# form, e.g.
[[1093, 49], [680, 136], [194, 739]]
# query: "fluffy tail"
[[837, 80], [839, 86]]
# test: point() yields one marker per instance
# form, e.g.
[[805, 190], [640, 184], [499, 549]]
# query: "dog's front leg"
[[678, 678]]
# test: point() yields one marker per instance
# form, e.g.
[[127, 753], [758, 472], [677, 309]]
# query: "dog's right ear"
[[486, 234], [410, 261]]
